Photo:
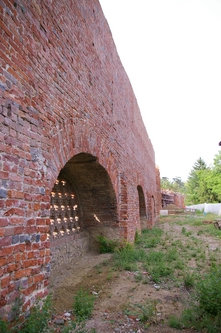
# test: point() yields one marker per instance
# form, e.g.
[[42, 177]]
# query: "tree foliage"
[[204, 183], [176, 185]]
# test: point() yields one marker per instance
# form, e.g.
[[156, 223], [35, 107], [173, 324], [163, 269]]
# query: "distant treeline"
[[202, 185]]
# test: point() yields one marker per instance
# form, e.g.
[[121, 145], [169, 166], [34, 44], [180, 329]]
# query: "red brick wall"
[[179, 200], [63, 92], [158, 192]]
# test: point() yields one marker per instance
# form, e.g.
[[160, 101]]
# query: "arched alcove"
[[98, 203], [83, 206], [142, 208]]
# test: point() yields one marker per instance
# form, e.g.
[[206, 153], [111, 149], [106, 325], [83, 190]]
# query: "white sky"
[[171, 51]]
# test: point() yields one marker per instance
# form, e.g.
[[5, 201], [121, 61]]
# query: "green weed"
[[36, 321], [174, 322], [83, 304], [179, 264], [172, 255], [155, 257], [155, 232], [185, 232], [204, 313], [3, 326], [189, 280], [160, 271], [127, 258], [107, 245], [208, 292]]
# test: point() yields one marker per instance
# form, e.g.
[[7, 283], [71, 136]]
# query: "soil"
[[115, 290]]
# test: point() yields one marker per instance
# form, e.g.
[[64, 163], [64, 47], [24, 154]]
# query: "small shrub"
[[174, 322], [189, 318], [83, 304], [3, 326], [204, 313], [107, 245], [159, 271], [189, 280], [209, 292], [37, 320]]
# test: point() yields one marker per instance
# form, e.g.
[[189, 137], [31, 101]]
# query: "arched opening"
[[83, 206], [153, 208], [142, 208]]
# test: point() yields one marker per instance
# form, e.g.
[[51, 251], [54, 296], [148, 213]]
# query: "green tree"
[[217, 163], [204, 189], [194, 181], [178, 185], [214, 181], [204, 183], [165, 183]]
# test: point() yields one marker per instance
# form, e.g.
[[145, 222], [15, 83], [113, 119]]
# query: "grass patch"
[[212, 231], [204, 313], [149, 238], [128, 257]]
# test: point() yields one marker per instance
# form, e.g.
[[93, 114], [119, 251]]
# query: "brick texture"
[[68, 108]]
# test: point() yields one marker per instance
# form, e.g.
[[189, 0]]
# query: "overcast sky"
[[171, 51]]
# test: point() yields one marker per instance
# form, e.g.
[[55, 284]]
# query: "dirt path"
[[118, 290]]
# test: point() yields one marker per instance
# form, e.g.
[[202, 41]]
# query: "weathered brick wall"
[[64, 92], [179, 200], [66, 249], [158, 192]]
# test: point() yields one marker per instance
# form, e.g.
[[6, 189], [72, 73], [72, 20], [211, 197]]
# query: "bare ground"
[[115, 290]]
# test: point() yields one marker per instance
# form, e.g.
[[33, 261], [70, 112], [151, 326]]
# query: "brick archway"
[[83, 206], [142, 208]]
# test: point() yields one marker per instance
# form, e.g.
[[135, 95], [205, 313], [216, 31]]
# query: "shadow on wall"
[[142, 208]]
